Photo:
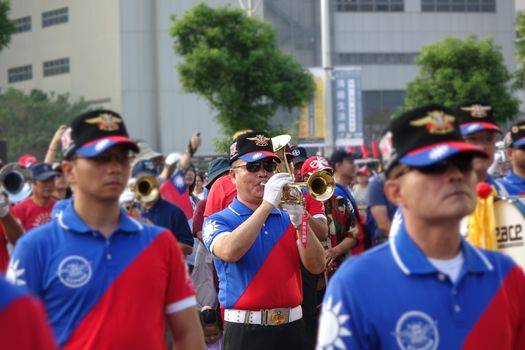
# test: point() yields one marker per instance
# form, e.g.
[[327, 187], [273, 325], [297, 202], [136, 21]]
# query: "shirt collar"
[[411, 260], [242, 210], [70, 220]]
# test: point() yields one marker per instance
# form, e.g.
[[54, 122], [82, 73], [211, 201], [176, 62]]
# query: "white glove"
[[296, 213], [274, 188], [4, 205]]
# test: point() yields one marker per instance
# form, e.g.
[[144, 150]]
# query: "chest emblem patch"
[[415, 330], [74, 271]]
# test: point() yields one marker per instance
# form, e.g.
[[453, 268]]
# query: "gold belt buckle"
[[276, 316]]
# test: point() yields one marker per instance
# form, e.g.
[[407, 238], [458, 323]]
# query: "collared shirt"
[[392, 297], [104, 292], [513, 184], [268, 275]]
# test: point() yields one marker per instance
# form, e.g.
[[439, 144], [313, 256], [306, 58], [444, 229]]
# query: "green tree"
[[456, 70], [7, 27], [233, 61], [519, 73], [29, 121]]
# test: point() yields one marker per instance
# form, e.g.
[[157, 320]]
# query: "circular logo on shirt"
[[74, 271], [415, 330]]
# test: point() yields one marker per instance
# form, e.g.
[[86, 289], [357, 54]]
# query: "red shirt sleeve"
[[314, 207], [23, 325]]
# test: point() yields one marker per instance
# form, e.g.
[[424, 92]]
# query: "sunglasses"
[[462, 164], [254, 167]]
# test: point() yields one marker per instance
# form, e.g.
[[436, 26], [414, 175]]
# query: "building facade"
[[119, 55]]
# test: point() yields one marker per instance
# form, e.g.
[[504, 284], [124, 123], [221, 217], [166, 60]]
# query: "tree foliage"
[[519, 73], [456, 70], [29, 121], [7, 27], [233, 61]]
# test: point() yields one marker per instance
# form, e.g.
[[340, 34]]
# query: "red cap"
[[27, 160], [314, 164]]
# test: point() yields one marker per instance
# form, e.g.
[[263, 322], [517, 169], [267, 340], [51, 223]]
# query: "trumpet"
[[320, 184], [146, 188], [15, 181]]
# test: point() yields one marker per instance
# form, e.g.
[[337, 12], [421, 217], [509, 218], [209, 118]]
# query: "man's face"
[[297, 171], [517, 159], [43, 190], [487, 140], [435, 195], [102, 178], [347, 168], [249, 178]]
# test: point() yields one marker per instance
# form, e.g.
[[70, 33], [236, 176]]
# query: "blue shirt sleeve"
[[25, 268], [212, 227]]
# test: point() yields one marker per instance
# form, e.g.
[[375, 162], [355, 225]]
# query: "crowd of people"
[[110, 244]]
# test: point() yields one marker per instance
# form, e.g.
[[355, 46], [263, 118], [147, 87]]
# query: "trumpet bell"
[[146, 188], [320, 185], [15, 181]]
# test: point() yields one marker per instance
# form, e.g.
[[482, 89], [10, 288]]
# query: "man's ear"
[[67, 170], [392, 191], [509, 152], [233, 175]]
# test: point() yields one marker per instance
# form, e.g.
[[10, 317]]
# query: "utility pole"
[[249, 7], [326, 58]]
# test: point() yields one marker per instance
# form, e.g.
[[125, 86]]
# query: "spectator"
[[36, 210], [211, 322]]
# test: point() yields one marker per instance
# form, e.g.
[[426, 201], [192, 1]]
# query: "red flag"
[[350, 149], [375, 150], [364, 151], [174, 191]]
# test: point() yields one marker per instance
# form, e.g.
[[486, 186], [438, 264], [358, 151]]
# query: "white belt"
[[271, 317]]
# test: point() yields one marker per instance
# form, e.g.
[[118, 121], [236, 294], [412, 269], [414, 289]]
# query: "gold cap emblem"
[[477, 111], [260, 140], [436, 122], [105, 122]]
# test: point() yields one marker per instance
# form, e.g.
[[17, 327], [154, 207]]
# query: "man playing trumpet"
[[257, 252]]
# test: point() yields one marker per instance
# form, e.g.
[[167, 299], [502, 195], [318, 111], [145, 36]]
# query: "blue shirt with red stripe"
[[392, 297], [104, 292], [268, 275], [514, 184]]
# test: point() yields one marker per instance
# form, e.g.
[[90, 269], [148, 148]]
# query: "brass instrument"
[[320, 184], [15, 181], [146, 188]]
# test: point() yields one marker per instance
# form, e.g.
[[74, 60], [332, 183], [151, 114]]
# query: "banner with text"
[[347, 106]]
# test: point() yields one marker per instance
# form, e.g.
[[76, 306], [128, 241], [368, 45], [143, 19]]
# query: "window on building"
[[458, 5], [19, 74], [378, 107], [377, 58], [370, 5], [55, 67], [54, 17], [22, 24]]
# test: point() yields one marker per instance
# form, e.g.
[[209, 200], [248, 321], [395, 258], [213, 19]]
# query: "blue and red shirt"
[[104, 292], [268, 275], [23, 323], [393, 297], [513, 184]]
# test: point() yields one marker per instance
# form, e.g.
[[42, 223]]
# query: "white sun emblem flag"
[[14, 273], [332, 330], [257, 156], [207, 230], [101, 145], [438, 152]]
